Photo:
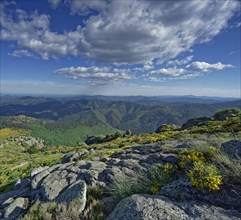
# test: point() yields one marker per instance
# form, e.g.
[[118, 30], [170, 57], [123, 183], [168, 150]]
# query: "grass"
[[230, 169], [8, 132]]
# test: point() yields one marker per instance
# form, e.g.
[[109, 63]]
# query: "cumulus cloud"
[[96, 75], [189, 71], [121, 31], [21, 53], [167, 72], [180, 62], [206, 67], [54, 3]]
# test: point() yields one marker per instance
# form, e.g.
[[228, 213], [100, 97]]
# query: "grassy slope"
[[53, 133], [12, 155]]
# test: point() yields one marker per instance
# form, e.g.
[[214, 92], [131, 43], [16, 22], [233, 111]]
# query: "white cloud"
[[192, 70], [20, 53], [54, 3], [206, 67], [96, 75], [85, 7], [180, 62], [121, 31], [167, 72]]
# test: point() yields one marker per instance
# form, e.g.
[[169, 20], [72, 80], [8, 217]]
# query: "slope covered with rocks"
[[67, 183]]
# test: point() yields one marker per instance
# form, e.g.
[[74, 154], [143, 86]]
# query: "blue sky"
[[121, 47]]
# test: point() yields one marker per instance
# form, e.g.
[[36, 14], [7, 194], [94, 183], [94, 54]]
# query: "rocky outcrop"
[[149, 207], [165, 127], [67, 182], [195, 122], [73, 156], [26, 141]]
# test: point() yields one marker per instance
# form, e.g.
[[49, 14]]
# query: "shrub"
[[222, 114], [32, 150], [125, 187], [188, 157], [230, 169], [205, 176], [160, 175]]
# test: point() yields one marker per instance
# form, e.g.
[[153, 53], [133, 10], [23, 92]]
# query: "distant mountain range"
[[137, 113]]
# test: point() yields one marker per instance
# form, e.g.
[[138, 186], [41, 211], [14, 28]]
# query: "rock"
[[75, 191], [232, 148], [37, 180], [128, 133], [4, 198], [21, 183], [165, 127], [16, 209], [38, 170], [56, 182], [195, 122], [74, 156], [179, 189], [148, 207]]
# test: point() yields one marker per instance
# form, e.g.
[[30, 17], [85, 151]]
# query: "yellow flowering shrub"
[[188, 157], [205, 176], [154, 187]]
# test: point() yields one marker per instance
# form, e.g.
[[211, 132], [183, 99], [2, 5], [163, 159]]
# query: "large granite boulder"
[[232, 148], [149, 207]]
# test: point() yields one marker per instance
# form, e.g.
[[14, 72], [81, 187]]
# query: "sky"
[[121, 47]]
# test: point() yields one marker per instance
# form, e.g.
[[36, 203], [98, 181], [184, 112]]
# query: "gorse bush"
[[199, 168], [189, 157], [205, 176]]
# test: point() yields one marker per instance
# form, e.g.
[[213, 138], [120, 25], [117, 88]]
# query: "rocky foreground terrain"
[[66, 184]]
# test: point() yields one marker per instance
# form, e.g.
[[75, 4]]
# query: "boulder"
[[38, 170], [148, 207], [195, 122], [232, 148], [55, 183], [74, 156], [16, 208], [165, 127], [76, 191]]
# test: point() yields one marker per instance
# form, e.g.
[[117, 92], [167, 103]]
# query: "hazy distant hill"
[[122, 115]]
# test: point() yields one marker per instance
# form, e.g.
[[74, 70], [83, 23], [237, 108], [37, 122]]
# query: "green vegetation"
[[121, 115], [9, 132], [94, 208], [16, 160], [53, 133], [222, 114]]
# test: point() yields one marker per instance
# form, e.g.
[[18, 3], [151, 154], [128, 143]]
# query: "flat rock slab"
[[148, 207]]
